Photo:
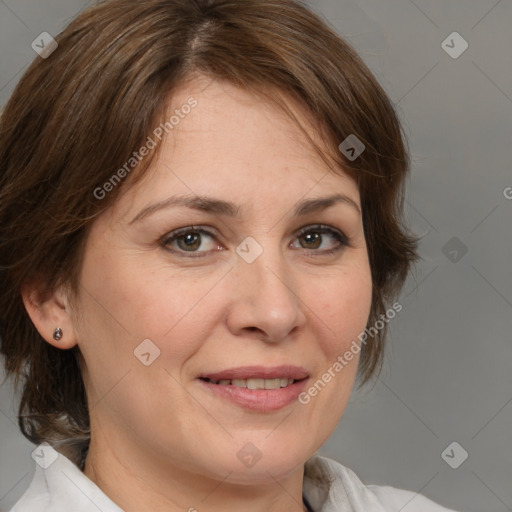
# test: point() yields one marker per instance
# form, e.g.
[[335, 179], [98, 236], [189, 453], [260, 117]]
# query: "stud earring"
[[57, 334]]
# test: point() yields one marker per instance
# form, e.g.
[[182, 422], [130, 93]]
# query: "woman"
[[200, 238]]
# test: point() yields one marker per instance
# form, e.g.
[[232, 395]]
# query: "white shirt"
[[59, 485]]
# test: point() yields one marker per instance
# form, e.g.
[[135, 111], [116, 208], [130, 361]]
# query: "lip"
[[259, 372], [258, 400]]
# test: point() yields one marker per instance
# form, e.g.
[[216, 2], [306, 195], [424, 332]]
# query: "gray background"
[[448, 373]]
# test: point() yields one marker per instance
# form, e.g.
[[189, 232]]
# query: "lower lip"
[[261, 400]]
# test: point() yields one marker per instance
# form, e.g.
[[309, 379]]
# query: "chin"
[[262, 462]]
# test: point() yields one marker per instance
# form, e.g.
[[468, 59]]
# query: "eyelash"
[[319, 229]]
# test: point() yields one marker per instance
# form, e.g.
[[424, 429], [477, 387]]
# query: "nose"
[[265, 301]]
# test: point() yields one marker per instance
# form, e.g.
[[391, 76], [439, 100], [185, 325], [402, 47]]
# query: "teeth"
[[255, 383], [272, 383]]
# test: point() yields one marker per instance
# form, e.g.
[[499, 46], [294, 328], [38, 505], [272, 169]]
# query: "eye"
[[198, 242], [314, 238], [190, 240]]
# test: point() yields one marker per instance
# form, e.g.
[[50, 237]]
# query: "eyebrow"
[[226, 208]]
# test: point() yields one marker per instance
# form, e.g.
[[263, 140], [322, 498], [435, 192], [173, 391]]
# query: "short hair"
[[77, 115]]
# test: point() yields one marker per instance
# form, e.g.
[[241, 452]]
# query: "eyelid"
[[324, 229]]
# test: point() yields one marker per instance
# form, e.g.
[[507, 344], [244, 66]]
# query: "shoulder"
[[329, 485]]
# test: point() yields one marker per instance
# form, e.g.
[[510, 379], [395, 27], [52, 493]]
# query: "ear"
[[49, 311]]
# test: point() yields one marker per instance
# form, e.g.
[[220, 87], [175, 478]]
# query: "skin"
[[159, 441]]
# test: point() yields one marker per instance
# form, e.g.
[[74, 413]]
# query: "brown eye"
[[312, 238], [190, 240]]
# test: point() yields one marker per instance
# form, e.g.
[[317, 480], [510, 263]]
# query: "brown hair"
[[78, 115]]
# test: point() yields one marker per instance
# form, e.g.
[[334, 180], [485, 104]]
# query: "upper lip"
[[258, 372]]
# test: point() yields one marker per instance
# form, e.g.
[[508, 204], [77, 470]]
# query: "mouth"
[[258, 388], [254, 383], [257, 377]]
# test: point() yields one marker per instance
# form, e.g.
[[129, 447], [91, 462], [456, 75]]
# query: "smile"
[[254, 383]]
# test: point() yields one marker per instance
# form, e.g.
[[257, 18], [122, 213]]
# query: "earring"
[[57, 334]]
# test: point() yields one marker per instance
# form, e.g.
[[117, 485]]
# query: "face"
[[191, 306]]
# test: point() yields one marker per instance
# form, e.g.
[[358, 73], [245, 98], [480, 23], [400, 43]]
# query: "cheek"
[[129, 302], [135, 294], [172, 307], [345, 306], [340, 314]]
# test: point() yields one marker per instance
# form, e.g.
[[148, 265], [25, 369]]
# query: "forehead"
[[238, 145]]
